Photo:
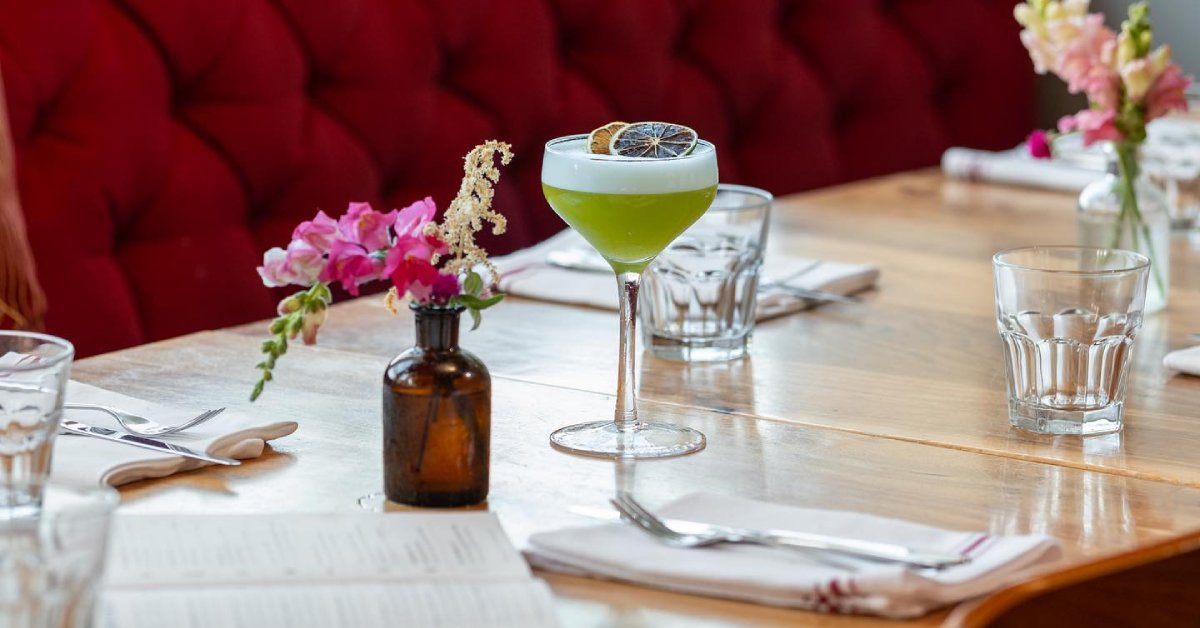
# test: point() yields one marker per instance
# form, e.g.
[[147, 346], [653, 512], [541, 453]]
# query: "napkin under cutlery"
[[85, 460], [528, 273], [1184, 360], [790, 578]]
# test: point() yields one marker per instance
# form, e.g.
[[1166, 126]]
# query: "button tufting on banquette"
[[163, 145]]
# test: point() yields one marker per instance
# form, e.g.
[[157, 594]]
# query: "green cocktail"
[[630, 209], [629, 230]]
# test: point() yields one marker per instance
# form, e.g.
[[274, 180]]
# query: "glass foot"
[[644, 440]]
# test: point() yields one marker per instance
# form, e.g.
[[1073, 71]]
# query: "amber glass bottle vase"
[[436, 417]]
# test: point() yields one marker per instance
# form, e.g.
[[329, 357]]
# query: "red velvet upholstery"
[[164, 144]]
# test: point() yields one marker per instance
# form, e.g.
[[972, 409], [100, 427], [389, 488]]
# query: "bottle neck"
[[437, 328]]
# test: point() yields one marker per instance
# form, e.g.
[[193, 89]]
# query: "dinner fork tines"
[[141, 425]]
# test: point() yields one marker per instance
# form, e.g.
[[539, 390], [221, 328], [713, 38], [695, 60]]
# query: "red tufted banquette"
[[162, 145]]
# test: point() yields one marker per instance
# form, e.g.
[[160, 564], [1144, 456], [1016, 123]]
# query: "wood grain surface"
[[894, 406]]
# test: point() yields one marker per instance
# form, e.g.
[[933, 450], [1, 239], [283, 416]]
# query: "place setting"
[[814, 418]]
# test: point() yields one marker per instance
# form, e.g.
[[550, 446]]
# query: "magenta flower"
[[318, 233], [415, 276], [363, 225], [350, 264], [1038, 144], [445, 287]]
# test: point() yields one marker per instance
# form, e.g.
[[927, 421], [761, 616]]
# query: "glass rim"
[[765, 198], [1140, 261], [550, 148], [49, 362]]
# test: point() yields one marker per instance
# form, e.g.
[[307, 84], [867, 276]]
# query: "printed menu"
[[265, 571]]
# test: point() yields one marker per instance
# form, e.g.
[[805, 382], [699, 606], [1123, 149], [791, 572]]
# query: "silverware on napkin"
[[75, 427], [887, 552]]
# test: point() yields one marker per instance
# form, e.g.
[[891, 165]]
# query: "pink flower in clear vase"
[[1096, 125], [350, 264], [1168, 93], [304, 262], [1038, 144], [275, 271], [367, 227], [318, 232], [445, 287]]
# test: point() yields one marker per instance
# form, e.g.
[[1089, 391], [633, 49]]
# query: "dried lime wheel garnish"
[[653, 139], [599, 140]]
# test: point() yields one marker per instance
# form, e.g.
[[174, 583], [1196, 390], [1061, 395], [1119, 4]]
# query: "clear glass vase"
[[1116, 215]]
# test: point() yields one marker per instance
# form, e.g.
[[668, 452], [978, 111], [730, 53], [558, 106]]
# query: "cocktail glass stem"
[[626, 414]]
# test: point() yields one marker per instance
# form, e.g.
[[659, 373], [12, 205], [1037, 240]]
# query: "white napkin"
[[86, 460], [527, 273], [1184, 360], [783, 577], [1013, 167]]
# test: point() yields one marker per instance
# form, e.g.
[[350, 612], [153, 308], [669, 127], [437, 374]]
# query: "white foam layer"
[[567, 165]]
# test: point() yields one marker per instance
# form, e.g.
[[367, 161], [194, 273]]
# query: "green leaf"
[[473, 284], [476, 318]]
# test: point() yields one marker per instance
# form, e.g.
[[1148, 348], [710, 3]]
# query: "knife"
[[888, 552], [75, 427]]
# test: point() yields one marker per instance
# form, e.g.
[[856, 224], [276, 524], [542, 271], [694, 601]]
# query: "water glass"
[[699, 296], [49, 565], [1068, 317], [34, 369]]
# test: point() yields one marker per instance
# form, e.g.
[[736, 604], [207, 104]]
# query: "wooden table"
[[894, 407]]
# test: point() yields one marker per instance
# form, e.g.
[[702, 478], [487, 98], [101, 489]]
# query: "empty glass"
[[34, 369], [1068, 317], [50, 565], [699, 295]]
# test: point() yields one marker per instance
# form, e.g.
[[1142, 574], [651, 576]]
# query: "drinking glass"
[[629, 209], [1068, 317], [701, 292], [34, 369], [49, 565]]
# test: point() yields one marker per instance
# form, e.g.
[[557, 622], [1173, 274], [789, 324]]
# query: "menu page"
[[318, 571], [524, 604], [167, 551]]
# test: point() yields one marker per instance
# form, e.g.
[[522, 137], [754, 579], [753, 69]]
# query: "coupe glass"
[[629, 209]]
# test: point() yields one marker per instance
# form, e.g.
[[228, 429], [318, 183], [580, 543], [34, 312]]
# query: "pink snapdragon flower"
[[275, 271], [318, 233], [416, 277], [409, 262], [1168, 93], [363, 225], [304, 262], [350, 264], [1096, 125]]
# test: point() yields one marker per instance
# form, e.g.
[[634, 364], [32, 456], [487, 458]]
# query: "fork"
[[713, 535], [135, 424]]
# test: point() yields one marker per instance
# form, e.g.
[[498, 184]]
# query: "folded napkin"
[[1013, 167], [83, 459], [782, 577], [1184, 360], [528, 273]]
